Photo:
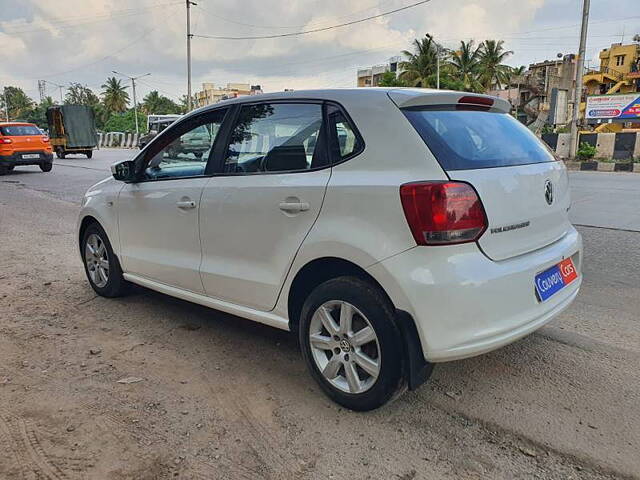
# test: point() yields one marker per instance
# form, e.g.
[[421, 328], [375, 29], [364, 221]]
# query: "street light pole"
[[577, 88], [135, 101], [6, 102]]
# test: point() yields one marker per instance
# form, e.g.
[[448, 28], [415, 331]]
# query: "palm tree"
[[114, 95], [151, 102], [465, 64], [491, 69], [421, 65]]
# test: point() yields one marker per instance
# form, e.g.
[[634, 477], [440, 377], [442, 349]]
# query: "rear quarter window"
[[469, 139]]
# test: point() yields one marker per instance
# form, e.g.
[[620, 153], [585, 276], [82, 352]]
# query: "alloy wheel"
[[345, 347], [97, 260]]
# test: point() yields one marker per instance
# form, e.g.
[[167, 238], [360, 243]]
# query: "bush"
[[586, 151]]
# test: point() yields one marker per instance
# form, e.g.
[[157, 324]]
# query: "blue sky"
[[82, 41]]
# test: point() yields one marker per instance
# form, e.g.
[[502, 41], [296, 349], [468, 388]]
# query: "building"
[[619, 71], [545, 92], [212, 94], [371, 76]]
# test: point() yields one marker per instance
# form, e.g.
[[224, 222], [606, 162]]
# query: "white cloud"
[[139, 36]]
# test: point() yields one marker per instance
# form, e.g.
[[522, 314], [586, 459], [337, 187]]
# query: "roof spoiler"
[[406, 98]]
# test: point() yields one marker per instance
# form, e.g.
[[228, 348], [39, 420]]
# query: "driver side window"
[[184, 152]]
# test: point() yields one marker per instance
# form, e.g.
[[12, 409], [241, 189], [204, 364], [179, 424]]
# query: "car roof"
[[16, 124], [402, 96]]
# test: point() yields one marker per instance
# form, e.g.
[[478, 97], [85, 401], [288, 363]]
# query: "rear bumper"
[[17, 159], [465, 304]]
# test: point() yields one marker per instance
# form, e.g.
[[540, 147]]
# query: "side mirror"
[[124, 171]]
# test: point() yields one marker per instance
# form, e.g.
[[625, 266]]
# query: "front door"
[[256, 213], [158, 216]]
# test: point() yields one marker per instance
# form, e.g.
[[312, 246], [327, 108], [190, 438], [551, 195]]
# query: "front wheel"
[[101, 264], [351, 344], [60, 153]]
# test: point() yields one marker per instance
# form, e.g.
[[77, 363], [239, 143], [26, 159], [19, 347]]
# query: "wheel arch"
[[319, 270], [84, 224]]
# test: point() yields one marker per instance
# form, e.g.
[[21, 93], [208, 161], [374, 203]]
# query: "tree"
[[465, 63], [420, 65], [125, 122], [389, 79], [78, 94], [492, 71], [153, 102], [20, 105], [114, 95], [39, 114]]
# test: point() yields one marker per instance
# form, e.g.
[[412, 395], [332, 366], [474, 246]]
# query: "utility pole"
[[437, 67], [577, 88], [135, 101], [189, 3]]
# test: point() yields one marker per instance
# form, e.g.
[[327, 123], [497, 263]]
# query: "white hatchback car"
[[390, 228]]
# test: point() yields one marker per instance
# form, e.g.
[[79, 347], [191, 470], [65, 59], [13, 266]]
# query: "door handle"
[[294, 207], [186, 204]]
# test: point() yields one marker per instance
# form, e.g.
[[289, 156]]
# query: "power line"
[[316, 30], [214, 15]]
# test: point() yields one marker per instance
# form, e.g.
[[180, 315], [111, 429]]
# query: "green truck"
[[72, 129]]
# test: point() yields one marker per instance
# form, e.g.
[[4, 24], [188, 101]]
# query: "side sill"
[[266, 318]]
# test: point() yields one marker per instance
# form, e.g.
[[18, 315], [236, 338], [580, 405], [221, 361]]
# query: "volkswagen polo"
[[390, 229]]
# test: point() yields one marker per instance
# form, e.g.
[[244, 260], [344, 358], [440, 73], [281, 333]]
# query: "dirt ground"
[[149, 387]]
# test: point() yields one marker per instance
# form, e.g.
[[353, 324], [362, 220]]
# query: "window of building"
[[620, 60], [276, 137]]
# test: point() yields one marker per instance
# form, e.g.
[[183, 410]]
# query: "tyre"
[[60, 153], [46, 166], [198, 154], [10, 168], [89, 153], [351, 344], [4, 170], [100, 263]]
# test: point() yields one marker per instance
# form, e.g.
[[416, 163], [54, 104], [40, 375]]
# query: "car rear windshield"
[[19, 130], [469, 139]]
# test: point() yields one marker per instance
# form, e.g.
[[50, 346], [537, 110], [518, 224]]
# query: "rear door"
[[523, 188], [257, 210]]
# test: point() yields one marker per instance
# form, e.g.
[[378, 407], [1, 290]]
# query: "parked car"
[[24, 144], [390, 229]]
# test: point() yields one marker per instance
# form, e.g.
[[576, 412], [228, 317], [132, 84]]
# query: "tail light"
[[443, 213], [6, 140], [45, 139]]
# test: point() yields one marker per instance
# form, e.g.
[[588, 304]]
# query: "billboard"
[[622, 107]]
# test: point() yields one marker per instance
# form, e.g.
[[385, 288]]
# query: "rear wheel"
[[4, 170], [89, 153], [351, 343], [100, 263], [46, 166]]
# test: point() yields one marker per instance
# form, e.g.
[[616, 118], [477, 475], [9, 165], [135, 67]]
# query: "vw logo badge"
[[548, 192]]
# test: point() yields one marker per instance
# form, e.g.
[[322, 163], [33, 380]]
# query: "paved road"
[[610, 200], [221, 397]]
